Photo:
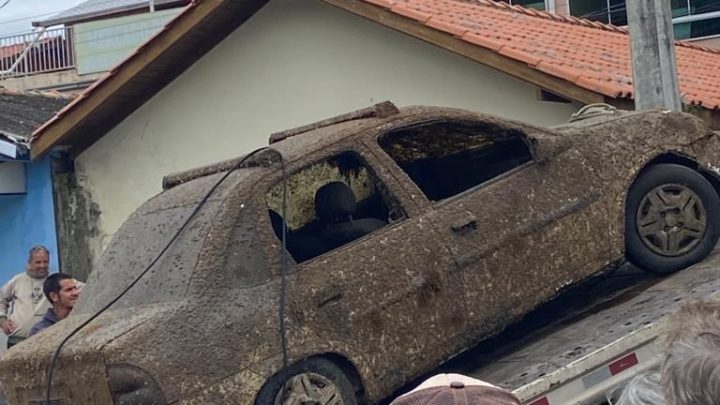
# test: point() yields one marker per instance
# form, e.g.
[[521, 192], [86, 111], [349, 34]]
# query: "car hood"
[[23, 368]]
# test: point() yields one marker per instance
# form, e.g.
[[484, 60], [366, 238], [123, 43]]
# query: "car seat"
[[301, 246], [335, 205]]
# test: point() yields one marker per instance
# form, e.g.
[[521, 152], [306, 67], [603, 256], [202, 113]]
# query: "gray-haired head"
[[644, 389], [691, 369], [35, 249], [693, 319]]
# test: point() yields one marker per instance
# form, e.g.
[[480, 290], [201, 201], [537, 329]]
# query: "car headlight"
[[130, 385]]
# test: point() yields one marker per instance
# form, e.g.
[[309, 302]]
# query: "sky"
[[15, 18]]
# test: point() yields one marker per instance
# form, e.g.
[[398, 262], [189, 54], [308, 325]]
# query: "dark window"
[[329, 204], [691, 22], [704, 6], [692, 18], [596, 10], [536, 4], [679, 8], [607, 11], [446, 159], [697, 29]]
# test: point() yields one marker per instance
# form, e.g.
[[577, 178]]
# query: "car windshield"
[[141, 239]]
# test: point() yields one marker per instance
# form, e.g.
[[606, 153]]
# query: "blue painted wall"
[[28, 220]]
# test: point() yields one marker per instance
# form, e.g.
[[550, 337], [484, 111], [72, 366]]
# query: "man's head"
[[691, 369], [644, 389], [61, 290], [38, 264]]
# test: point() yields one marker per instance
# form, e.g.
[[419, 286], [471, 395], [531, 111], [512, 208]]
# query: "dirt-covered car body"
[[451, 263]]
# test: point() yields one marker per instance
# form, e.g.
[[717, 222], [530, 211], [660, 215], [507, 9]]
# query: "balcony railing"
[[36, 52]]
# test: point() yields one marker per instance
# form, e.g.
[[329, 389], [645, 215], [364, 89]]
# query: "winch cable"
[[283, 272], [208, 194]]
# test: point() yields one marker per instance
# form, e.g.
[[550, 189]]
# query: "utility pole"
[[652, 43]]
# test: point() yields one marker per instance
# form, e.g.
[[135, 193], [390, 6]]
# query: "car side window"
[[445, 159], [329, 204]]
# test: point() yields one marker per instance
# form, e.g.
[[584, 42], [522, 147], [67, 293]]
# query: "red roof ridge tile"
[[692, 45]]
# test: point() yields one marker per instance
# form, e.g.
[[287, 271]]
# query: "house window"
[[696, 18], [536, 4], [607, 11], [445, 159], [691, 18]]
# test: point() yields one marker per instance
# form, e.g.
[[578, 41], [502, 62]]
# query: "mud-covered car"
[[410, 235]]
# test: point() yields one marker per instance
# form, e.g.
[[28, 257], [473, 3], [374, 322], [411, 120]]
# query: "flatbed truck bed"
[[580, 348]]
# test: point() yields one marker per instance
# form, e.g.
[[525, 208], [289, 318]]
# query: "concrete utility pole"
[[653, 55]]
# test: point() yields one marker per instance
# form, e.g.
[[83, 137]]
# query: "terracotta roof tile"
[[411, 13], [593, 55]]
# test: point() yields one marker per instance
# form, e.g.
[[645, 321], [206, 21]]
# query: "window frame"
[[690, 17], [366, 157], [608, 12], [549, 5], [406, 179]]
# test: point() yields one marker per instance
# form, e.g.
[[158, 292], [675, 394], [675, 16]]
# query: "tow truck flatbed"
[[590, 341]]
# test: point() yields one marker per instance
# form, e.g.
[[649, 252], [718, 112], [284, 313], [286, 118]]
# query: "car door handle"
[[327, 297], [468, 226]]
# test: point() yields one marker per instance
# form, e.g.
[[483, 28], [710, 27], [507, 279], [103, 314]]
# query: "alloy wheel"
[[671, 220], [309, 389]]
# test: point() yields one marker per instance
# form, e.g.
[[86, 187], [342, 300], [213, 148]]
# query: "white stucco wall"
[[294, 62]]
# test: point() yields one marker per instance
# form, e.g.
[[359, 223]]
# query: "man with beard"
[[22, 303]]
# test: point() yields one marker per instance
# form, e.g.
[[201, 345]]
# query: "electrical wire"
[[18, 19], [51, 366], [5, 4], [283, 272]]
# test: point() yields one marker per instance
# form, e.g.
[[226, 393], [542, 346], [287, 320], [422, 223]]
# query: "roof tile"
[[593, 55], [483, 41], [382, 3], [410, 13], [450, 28], [521, 55]]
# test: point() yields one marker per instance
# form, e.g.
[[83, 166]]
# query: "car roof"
[[300, 143]]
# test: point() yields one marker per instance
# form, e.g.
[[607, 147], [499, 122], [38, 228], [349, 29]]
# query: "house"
[[69, 51], [223, 75], [27, 212], [694, 20]]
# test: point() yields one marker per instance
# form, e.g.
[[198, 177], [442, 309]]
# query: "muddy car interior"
[[329, 204], [433, 154]]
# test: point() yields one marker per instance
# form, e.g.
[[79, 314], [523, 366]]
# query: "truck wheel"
[[312, 381], [671, 219]]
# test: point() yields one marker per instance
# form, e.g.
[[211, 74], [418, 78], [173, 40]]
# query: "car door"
[[385, 296], [522, 220]]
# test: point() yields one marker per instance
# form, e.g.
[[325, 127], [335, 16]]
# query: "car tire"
[[314, 373], [670, 219]]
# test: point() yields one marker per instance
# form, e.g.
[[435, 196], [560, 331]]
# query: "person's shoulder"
[[18, 277]]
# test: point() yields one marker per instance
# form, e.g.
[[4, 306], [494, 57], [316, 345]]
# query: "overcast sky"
[[17, 15]]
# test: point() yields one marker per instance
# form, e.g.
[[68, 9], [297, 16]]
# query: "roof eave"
[[110, 12], [61, 129]]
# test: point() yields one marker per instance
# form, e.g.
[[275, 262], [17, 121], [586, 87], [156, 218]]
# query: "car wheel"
[[671, 219], [311, 381]]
